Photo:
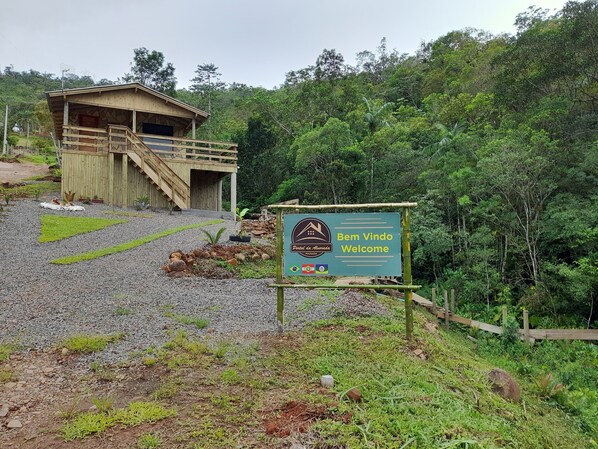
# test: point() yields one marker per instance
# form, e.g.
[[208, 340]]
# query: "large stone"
[[14, 424], [504, 385], [240, 257], [177, 265], [354, 394], [4, 410]]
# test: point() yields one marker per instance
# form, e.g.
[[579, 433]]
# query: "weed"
[[142, 202], [7, 375], [167, 389], [5, 352], [230, 376], [548, 387], [213, 238], [135, 414], [148, 441], [221, 349], [71, 409], [122, 311], [258, 269], [103, 404], [199, 323], [89, 343], [102, 372]]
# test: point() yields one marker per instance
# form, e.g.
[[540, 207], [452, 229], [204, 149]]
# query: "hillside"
[[263, 391]]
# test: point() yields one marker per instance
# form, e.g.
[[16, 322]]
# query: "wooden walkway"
[[532, 334]]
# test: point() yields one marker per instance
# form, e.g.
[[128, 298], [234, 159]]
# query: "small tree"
[[148, 68]]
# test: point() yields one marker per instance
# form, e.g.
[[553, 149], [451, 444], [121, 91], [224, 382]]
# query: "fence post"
[[453, 305], [434, 301], [526, 325], [446, 310], [279, 290], [504, 318]]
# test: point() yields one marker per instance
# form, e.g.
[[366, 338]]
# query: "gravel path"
[[42, 303]]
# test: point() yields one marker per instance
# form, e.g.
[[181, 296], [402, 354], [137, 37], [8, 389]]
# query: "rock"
[[10, 385], [14, 424], [354, 394], [255, 257], [65, 351], [504, 385], [240, 257], [327, 381], [3, 411], [177, 265], [176, 255], [418, 352], [265, 256], [297, 446], [232, 262]]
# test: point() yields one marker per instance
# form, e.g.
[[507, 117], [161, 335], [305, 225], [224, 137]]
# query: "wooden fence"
[[447, 313]]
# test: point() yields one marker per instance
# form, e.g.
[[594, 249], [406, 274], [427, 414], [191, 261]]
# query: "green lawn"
[[128, 245], [56, 227]]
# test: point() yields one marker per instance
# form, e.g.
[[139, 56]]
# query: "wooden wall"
[[88, 175]]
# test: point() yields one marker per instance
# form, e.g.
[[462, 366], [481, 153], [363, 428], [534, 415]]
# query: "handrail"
[[149, 159]]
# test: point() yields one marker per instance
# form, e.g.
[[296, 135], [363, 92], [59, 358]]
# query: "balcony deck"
[[200, 154]]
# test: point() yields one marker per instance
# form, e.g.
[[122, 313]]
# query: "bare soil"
[[17, 171], [259, 410]]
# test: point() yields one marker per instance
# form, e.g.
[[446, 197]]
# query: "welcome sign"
[[362, 244]]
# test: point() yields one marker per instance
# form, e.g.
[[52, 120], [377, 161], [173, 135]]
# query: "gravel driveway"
[[42, 303]]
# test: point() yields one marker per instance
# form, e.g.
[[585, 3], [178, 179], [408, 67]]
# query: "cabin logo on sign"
[[311, 238]]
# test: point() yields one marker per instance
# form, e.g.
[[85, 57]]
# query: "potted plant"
[[240, 236]]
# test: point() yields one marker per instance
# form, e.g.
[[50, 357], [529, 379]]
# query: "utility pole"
[[5, 141]]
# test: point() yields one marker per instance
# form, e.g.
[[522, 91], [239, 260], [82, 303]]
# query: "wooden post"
[[65, 120], [504, 318], [279, 290], [407, 278], [219, 208], [446, 310], [453, 305], [111, 179], [526, 325], [134, 122], [233, 195], [434, 301], [125, 181]]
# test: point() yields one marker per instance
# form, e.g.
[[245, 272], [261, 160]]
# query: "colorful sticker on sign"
[[308, 268], [321, 268]]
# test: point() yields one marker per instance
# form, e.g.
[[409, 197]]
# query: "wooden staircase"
[[175, 189]]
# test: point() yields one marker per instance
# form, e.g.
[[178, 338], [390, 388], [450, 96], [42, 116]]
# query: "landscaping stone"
[[504, 385], [14, 424], [354, 394]]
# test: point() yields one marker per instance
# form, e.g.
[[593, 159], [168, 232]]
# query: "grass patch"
[[136, 413], [39, 159], [57, 227], [128, 245], [122, 311], [258, 269], [31, 190], [5, 352], [148, 441], [89, 343], [6, 375], [200, 323], [127, 214]]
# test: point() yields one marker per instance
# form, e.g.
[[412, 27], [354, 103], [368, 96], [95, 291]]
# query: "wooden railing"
[[80, 138], [122, 139]]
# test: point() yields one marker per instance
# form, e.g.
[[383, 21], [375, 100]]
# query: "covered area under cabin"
[[121, 142]]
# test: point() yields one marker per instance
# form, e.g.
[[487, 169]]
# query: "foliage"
[[5, 351], [57, 227], [149, 69], [213, 238], [142, 202], [127, 245], [136, 413], [148, 441], [239, 216], [89, 343]]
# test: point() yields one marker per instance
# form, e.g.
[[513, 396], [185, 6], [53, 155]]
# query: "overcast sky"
[[252, 42]]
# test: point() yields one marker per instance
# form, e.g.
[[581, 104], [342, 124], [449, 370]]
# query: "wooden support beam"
[[233, 195], [125, 181], [526, 325], [453, 305], [434, 300], [111, 179]]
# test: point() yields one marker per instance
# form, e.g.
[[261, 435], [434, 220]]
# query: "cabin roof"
[[96, 94]]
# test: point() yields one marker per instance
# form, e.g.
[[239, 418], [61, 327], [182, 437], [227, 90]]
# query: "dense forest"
[[496, 138]]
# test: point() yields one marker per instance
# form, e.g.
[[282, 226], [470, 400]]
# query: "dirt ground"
[[18, 171], [258, 410]]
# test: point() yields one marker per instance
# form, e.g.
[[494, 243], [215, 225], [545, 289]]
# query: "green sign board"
[[360, 244]]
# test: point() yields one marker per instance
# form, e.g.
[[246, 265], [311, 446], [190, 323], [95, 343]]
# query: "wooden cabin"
[[121, 142]]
